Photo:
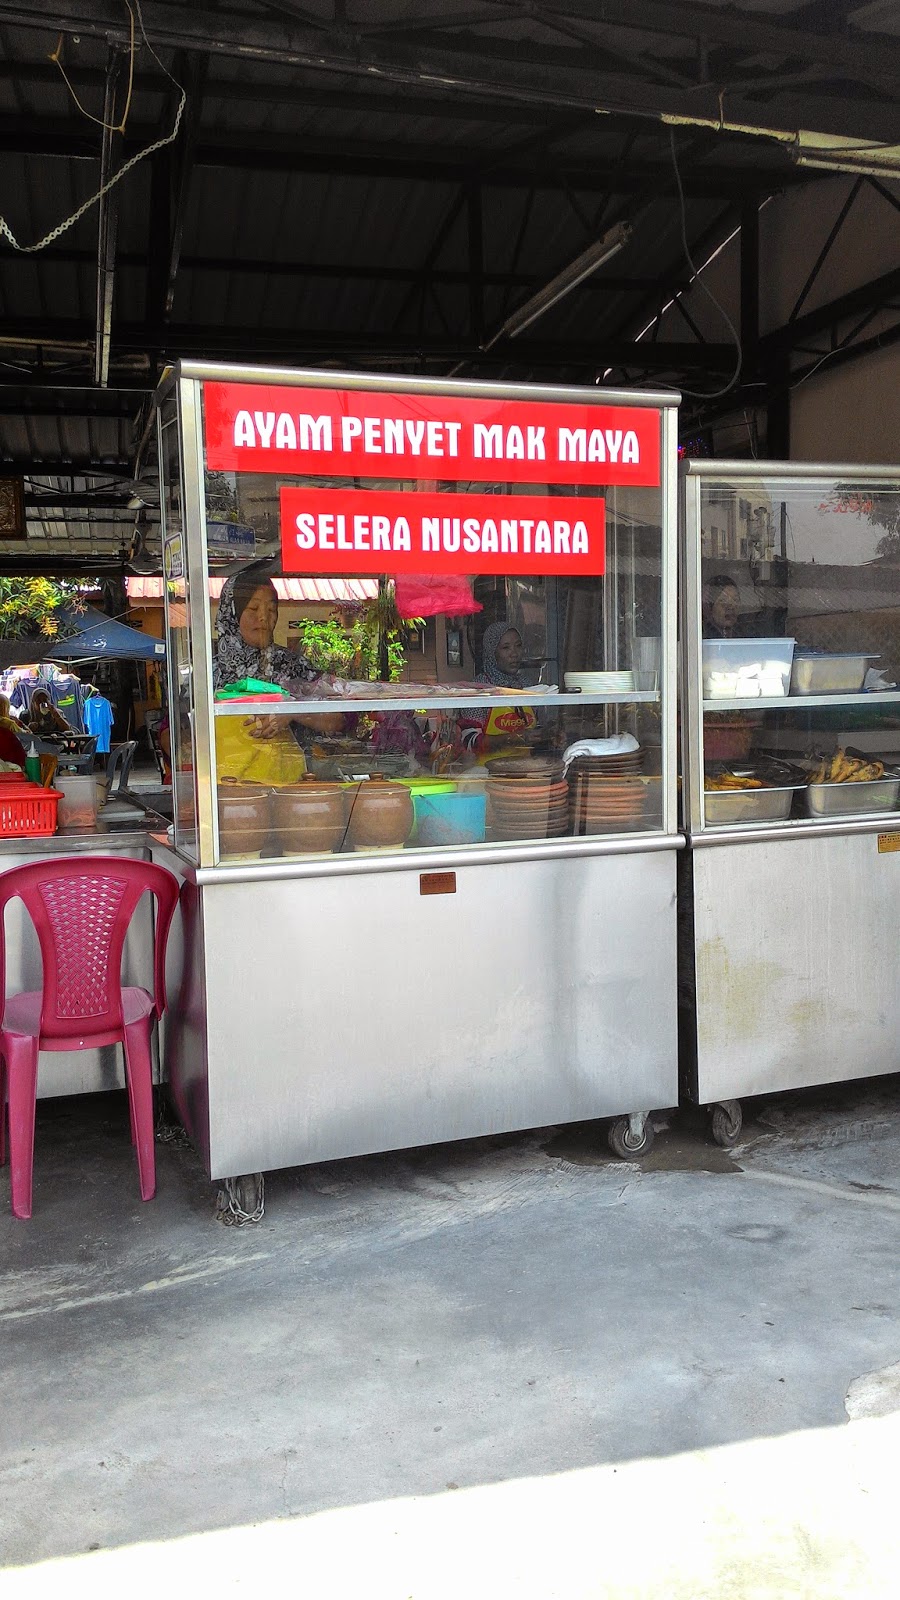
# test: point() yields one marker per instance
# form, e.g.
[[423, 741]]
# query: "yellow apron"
[[243, 759], [508, 722]]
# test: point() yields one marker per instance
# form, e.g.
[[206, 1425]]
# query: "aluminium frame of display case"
[[788, 930], [330, 1008]]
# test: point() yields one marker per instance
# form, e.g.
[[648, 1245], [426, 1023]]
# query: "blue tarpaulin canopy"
[[100, 638]]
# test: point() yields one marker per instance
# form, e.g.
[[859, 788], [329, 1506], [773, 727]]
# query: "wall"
[[849, 412]]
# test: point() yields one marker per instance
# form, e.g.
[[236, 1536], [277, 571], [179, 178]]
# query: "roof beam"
[[868, 295], [466, 64], [307, 95], [41, 136], [750, 32], [27, 400], [679, 280], [80, 466], [870, 54], [342, 271], [786, 105], [255, 344]]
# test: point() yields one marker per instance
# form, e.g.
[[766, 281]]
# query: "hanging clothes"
[[98, 719], [67, 694], [20, 699]]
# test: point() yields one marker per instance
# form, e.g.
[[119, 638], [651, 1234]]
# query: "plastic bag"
[[435, 594], [242, 759], [252, 689]]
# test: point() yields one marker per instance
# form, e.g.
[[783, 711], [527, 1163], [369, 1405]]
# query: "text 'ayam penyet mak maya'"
[[442, 437]]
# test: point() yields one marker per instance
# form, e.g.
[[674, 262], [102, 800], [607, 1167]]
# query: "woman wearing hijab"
[[12, 751], [259, 749], [721, 608], [501, 656], [43, 717], [248, 615], [7, 720], [502, 730]]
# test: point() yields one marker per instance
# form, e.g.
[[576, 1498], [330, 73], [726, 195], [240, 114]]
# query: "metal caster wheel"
[[727, 1121], [631, 1136]]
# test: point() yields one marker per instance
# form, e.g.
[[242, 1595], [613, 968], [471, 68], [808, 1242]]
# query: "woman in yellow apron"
[[259, 749], [500, 730]]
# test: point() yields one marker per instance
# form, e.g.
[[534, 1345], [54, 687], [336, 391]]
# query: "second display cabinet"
[[791, 751]]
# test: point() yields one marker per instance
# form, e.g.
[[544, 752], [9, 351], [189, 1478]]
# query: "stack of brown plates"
[[534, 769], [607, 793], [523, 809]]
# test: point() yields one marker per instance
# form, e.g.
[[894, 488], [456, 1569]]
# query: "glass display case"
[[362, 702], [791, 738], [422, 641], [794, 664]]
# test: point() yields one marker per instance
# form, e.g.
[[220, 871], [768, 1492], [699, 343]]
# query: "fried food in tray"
[[766, 772], [733, 780], [843, 768]]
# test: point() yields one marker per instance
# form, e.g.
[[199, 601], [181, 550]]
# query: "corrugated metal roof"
[[306, 179]]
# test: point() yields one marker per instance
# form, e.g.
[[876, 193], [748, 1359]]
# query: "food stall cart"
[[791, 740], [453, 925]]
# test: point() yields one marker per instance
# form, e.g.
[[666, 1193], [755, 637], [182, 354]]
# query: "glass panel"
[[397, 720], [178, 725], [381, 778], [801, 648]]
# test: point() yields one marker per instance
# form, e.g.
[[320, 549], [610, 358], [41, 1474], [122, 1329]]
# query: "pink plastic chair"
[[81, 910]]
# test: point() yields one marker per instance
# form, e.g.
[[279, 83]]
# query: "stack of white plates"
[[600, 682]]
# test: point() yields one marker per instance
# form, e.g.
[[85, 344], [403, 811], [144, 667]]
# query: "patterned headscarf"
[[236, 659], [491, 671]]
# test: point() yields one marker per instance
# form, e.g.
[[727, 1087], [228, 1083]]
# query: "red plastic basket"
[[27, 809]]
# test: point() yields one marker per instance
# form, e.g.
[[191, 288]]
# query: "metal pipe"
[[107, 223]]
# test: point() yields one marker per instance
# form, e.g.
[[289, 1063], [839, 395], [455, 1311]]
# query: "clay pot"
[[381, 814], [244, 818], [309, 816]]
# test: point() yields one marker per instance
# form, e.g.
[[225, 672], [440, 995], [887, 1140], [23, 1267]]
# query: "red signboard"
[[374, 530], [254, 427]]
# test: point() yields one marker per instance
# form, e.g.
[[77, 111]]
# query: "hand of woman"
[[262, 727], [324, 722]]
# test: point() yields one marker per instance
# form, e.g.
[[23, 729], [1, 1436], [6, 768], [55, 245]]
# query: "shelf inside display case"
[[449, 702], [803, 702]]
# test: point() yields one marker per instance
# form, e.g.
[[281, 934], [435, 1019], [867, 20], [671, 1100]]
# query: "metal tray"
[[829, 674], [852, 799], [748, 805]]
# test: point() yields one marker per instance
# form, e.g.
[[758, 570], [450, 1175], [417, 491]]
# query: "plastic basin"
[[443, 819]]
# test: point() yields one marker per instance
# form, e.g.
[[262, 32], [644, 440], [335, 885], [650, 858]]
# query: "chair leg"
[[21, 1055], [2, 1112], [130, 1096], [139, 1070]]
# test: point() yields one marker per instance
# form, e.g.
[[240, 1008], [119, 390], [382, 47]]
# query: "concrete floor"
[[513, 1367]]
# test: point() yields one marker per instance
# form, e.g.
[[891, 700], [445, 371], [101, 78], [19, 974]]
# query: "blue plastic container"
[[449, 818]]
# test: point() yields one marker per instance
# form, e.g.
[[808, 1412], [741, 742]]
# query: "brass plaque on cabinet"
[[888, 843]]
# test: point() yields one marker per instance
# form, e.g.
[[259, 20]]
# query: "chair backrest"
[[159, 754], [81, 909], [119, 761]]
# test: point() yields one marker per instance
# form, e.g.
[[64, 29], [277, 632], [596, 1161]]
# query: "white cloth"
[[621, 744]]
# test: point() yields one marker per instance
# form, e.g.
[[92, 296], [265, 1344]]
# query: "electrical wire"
[[141, 155], [118, 127], [703, 394]]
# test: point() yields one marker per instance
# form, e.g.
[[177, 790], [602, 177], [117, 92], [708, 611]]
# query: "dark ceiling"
[[379, 183]]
